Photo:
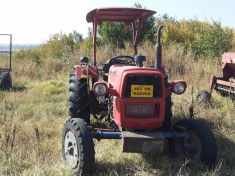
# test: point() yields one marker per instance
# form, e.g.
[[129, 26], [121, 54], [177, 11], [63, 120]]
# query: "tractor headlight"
[[100, 88], [178, 87]]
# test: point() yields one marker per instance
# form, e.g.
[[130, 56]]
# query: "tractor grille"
[[143, 80], [142, 111]]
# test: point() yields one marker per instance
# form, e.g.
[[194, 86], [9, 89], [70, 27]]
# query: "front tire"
[[199, 146], [79, 104], [78, 147], [6, 81]]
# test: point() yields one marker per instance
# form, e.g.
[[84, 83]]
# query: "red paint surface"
[[118, 14], [117, 76], [228, 65], [93, 71]]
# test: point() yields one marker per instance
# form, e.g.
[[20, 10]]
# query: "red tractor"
[[134, 99], [224, 84], [5, 61]]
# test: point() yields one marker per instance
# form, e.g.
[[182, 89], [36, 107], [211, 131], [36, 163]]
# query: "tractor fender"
[[86, 71]]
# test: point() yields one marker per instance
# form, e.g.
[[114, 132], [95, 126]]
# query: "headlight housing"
[[100, 88], [178, 87]]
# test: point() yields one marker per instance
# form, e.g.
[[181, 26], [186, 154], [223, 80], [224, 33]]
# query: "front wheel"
[[78, 147], [200, 144]]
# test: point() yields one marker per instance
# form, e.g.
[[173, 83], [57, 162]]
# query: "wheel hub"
[[190, 146], [71, 149]]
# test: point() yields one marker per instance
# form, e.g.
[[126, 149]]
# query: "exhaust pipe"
[[158, 49]]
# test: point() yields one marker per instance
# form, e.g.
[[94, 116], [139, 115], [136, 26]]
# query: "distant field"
[[33, 113], [5, 52], [16, 47]]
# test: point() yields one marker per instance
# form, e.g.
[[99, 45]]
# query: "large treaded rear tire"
[[201, 144], [6, 82], [78, 147], [79, 105]]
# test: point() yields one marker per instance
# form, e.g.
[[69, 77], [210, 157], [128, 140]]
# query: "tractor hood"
[[118, 73]]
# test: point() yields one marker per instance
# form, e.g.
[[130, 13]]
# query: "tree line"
[[203, 38]]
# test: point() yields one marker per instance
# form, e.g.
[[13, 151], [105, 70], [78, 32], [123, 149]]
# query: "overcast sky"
[[33, 21]]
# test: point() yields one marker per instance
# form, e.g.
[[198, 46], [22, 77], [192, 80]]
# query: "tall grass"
[[32, 116], [4, 61]]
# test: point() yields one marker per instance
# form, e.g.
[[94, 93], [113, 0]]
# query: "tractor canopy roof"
[[118, 14]]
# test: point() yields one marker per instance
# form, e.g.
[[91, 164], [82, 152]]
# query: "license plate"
[[142, 91]]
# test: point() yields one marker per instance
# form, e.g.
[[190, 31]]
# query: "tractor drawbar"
[[140, 142]]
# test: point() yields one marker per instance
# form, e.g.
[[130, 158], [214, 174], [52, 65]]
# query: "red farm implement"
[[135, 100], [224, 83]]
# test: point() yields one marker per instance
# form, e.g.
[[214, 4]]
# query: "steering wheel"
[[117, 60]]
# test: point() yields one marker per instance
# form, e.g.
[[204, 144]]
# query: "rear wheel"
[[78, 147], [79, 104], [6, 82], [200, 144]]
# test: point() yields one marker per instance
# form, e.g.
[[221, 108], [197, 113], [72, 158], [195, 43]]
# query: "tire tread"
[[79, 105], [85, 142]]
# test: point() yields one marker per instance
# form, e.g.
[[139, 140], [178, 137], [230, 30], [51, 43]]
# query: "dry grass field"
[[33, 113]]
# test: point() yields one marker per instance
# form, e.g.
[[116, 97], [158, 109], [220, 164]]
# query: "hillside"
[[33, 113]]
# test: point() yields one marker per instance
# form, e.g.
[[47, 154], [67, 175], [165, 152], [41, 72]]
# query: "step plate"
[[142, 142]]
